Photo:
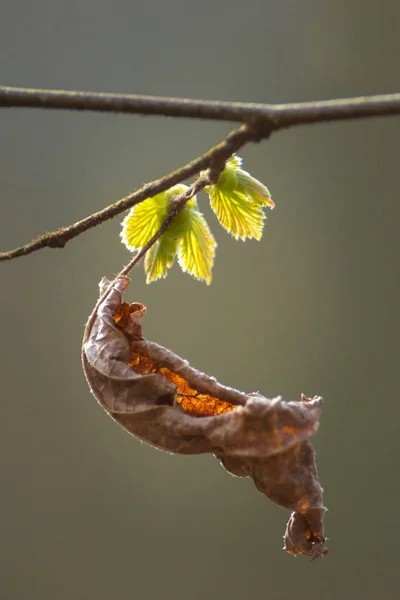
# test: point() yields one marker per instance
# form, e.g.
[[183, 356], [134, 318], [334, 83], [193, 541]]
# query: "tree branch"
[[260, 120], [275, 116]]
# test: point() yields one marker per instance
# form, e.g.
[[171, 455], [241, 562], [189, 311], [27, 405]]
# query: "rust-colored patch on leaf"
[[123, 313], [141, 364], [158, 397], [191, 400]]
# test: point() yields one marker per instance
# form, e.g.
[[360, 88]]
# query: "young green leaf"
[[237, 214], [188, 236], [197, 248], [159, 258], [238, 199], [250, 186], [143, 221]]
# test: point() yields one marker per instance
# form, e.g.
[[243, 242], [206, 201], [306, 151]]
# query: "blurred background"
[[86, 510]]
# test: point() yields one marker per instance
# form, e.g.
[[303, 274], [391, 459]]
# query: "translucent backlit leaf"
[[237, 214], [188, 233], [237, 199], [160, 258], [143, 221], [254, 189], [196, 250]]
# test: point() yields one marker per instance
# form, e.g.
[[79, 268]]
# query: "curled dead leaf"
[[158, 397]]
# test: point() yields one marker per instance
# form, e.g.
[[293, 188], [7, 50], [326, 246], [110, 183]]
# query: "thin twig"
[[213, 158], [275, 116]]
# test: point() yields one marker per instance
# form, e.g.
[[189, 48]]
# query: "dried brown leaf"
[[158, 397]]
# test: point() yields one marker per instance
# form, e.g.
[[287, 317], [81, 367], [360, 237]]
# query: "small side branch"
[[214, 159]]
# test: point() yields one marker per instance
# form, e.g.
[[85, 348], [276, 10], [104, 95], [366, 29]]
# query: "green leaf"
[[196, 250], [254, 189], [237, 214], [188, 236], [159, 258], [237, 199], [143, 221]]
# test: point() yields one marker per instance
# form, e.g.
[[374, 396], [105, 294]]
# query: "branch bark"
[[275, 116]]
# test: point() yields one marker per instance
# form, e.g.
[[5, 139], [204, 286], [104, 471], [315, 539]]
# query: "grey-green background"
[[86, 510]]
